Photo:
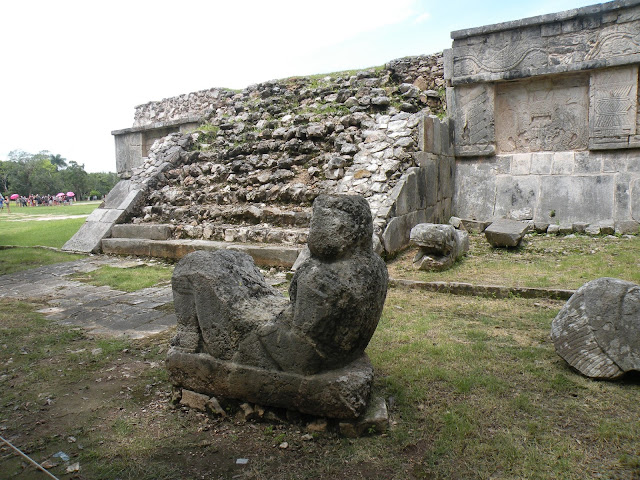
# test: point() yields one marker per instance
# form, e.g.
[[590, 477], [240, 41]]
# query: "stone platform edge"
[[494, 291], [263, 255]]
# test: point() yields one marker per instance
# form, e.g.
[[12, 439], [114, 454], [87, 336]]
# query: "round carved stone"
[[597, 332]]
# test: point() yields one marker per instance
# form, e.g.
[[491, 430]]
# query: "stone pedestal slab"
[[341, 393]]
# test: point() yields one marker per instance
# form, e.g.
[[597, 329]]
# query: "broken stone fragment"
[[597, 332], [194, 400], [474, 226], [374, 421]]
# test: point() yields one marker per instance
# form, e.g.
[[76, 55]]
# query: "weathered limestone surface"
[[340, 393], [588, 187], [265, 255], [505, 233], [440, 246], [239, 337], [150, 232], [597, 332]]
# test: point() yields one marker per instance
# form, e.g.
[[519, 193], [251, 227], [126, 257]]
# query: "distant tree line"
[[47, 174]]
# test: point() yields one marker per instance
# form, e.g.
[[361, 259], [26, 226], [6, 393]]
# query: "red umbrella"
[[14, 196], [71, 194]]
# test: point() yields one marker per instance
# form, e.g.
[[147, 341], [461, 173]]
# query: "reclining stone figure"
[[238, 337]]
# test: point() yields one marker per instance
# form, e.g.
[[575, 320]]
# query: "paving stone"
[[100, 310]]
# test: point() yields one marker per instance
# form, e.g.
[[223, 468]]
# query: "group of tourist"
[[36, 200]]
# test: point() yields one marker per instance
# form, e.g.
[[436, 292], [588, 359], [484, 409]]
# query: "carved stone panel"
[[547, 114], [616, 41], [613, 102], [474, 122], [606, 35], [499, 53]]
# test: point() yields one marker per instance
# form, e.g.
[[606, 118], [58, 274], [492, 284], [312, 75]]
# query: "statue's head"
[[340, 223]]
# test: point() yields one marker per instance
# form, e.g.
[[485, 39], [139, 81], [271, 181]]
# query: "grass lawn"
[[128, 279], [544, 261], [30, 226], [18, 259], [474, 386], [77, 208]]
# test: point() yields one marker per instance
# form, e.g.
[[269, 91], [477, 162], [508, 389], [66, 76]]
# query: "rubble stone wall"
[[259, 158]]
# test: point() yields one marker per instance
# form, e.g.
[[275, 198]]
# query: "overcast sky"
[[73, 71]]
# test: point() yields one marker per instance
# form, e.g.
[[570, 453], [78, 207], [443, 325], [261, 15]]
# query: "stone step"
[[142, 230], [263, 233], [246, 214], [263, 255]]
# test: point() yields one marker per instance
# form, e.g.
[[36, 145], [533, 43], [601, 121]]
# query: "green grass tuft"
[[127, 279]]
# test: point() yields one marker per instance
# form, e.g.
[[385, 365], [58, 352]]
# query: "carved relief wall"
[[599, 36], [473, 107], [536, 92], [542, 115]]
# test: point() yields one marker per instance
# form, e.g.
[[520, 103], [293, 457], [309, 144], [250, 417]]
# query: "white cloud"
[[422, 18]]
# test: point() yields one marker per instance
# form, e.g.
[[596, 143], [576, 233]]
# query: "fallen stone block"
[[505, 233], [541, 227], [592, 230], [597, 332], [630, 227], [565, 229], [456, 222], [194, 400], [579, 227], [554, 229], [607, 227]]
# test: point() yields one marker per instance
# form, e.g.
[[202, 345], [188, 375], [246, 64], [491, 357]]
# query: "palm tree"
[[58, 160]]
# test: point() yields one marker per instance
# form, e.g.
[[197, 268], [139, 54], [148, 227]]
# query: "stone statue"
[[246, 335]]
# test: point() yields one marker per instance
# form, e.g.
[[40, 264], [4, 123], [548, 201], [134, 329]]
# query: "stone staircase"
[[157, 240], [251, 171]]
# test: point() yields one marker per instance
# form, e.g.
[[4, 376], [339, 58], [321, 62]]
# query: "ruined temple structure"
[[224, 169], [541, 125]]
